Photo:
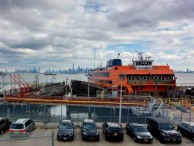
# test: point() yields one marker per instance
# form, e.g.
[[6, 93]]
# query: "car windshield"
[[89, 126], [139, 129], [17, 126], [166, 126], [65, 126]]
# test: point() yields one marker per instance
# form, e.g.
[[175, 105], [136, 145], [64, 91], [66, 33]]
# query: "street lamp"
[[156, 89], [88, 84], [88, 88], [122, 77]]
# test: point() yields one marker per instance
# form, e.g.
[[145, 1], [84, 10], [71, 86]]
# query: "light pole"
[[122, 77], [156, 90], [46, 79], [88, 84], [145, 111], [88, 88], [140, 86]]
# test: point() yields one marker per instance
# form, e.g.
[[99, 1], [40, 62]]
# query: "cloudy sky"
[[59, 33]]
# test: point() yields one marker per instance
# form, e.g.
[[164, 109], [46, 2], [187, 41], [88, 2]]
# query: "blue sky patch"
[[96, 6], [188, 38], [128, 47]]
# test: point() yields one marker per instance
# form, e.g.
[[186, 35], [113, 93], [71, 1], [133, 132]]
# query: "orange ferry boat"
[[139, 78]]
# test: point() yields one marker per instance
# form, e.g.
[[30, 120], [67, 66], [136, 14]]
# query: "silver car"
[[21, 128]]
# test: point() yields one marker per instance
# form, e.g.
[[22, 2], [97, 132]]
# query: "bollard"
[[173, 116], [53, 138], [181, 116], [190, 115]]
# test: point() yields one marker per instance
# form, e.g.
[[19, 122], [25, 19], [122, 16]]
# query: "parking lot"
[[42, 137]]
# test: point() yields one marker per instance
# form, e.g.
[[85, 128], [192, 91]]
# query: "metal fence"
[[177, 116], [55, 113]]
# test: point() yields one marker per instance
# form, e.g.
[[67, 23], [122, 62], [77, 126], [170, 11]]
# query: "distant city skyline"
[[73, 70], [50, 70]]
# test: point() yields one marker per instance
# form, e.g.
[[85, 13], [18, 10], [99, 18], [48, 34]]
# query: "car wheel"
[[97, 139], [134, 139], [161, 140], [106, 137], [127, 132], [2, 132], [151, 141], [73, 137], [121, 139], [83, 137]]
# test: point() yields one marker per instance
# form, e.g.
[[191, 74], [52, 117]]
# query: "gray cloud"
[[50, 33]]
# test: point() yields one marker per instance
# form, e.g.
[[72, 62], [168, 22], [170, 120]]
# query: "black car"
[[65, 130], [163, 130], [186, 129], [4, 125], [89, 130], [138, 132], [112, 131]]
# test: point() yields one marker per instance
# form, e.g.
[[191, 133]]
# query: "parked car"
[[65, 130], [21, 128], [186, 129], [89, 130], [138, 132], [163, 130], [112, 131], [4, 125]]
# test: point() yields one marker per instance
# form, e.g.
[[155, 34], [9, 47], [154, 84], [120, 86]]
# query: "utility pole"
[[94, 56], [122, 77]]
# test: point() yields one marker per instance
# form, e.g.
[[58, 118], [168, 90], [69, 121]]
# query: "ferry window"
[[144, 77], [129, 78], [159, 78], [137, 78], [132, 78]]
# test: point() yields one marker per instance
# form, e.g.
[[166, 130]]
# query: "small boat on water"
[[139, 78]]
